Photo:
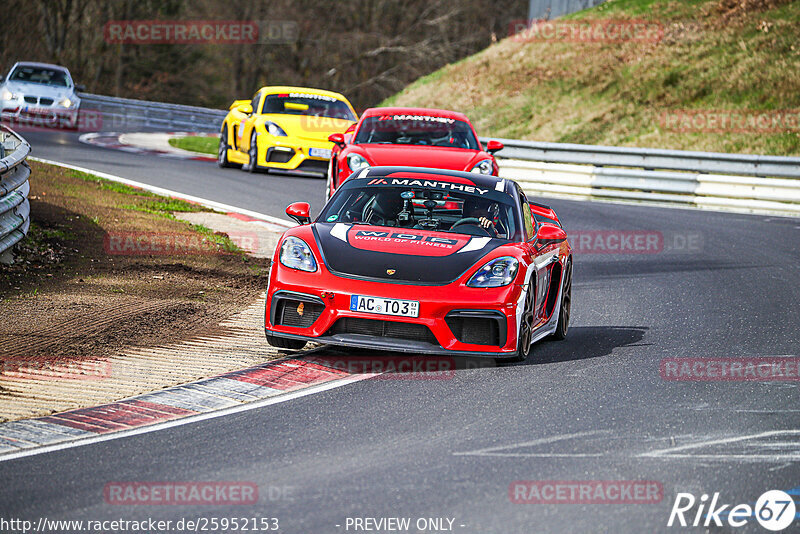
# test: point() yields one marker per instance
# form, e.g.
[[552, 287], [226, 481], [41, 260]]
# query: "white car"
[[39, 94]]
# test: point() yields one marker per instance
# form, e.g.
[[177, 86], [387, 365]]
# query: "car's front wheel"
[[285, 343], [525, 334], [222, 151], [252, 154]]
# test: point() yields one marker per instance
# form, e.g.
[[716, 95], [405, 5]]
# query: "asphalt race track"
[[593, 407]]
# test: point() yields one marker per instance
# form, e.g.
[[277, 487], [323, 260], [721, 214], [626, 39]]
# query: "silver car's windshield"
[[41, 75]]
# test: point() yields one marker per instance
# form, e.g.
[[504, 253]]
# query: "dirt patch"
[[72, 298], [730, 9]]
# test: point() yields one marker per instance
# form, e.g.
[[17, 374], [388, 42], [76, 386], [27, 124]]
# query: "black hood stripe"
[[343, 259]]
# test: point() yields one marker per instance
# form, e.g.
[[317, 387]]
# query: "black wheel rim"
[[566, 301], [253, 153], [223, 148], [526, 324]]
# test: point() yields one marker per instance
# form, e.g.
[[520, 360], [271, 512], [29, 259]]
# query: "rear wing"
[[544, 213]]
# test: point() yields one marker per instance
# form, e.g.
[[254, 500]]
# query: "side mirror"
[[550, 234], [493, 146], [337, 139], [299, 211], [80, 88], [247, 109]]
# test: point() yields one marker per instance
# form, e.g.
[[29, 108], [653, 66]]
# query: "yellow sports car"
[[284, 128]]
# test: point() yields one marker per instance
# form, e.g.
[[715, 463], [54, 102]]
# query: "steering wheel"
[[466, 220], [474, 221]]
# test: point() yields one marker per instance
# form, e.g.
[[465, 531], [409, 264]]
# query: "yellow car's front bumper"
[[293, 154]]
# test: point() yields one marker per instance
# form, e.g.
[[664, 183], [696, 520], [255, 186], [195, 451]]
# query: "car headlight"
[[66, 102], [483, 167], [496, 273], [7, 95], [274, 129], [356, 161], [296, 254]]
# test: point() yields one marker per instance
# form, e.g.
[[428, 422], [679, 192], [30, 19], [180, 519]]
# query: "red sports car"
[[422, 260], [415, 137]]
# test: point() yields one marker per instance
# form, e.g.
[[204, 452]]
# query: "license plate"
[[320, 153], [382, 306], [40, 112]]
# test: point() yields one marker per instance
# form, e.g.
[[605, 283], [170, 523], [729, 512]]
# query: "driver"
[[484, 212]]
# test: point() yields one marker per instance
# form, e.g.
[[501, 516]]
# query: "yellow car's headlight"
[[274, 129]]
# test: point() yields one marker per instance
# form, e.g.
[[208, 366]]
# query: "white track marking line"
[[492, 451], [167, 192], [187, 420], [670, 452], [726, 457]]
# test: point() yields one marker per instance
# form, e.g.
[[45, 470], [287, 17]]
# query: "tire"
[[566, 305], [285, 343], [252, 153], [222, 151], [525, 333]]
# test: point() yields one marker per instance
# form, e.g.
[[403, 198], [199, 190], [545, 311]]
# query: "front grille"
[[378, 328], [313, 165], [287, 313], [279, 156], [46, 101], [31, 99], [486, 329]]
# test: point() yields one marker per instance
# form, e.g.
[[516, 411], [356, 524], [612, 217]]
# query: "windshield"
[[42, 75], [490, 214], [307, 104], [424, 130]]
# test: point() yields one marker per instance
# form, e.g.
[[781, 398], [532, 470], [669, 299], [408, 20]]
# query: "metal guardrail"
[[759, 184], [129, 115], [14, 188], [651, 158]]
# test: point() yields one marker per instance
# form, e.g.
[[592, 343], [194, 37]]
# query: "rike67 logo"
[[775, 510]]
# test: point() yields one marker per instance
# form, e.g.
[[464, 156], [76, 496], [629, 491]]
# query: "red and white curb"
[[232, 392], [155, 144]]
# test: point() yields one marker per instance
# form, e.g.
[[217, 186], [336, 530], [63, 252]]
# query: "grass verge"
[[197, 143]]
